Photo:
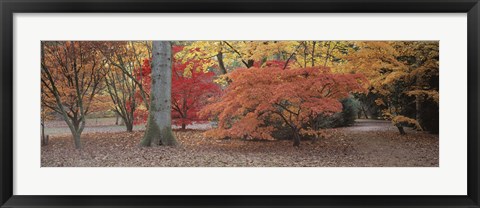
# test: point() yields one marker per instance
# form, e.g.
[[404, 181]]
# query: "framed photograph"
[[271, 103]]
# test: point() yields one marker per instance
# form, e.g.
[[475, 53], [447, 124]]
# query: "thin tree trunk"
[[44, 140], [221, 64], [418, 109], [184, 126], [250, 63], [223, 70], [327, 54], [305, 55], [76, 132], [313, 53], [291, 55], [296, 139], [129, 126], [400, 129], [364, 112], [159, 124], [76, 139]]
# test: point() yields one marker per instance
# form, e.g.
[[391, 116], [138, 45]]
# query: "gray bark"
[[44, 139], [76, 139], [159, 124]]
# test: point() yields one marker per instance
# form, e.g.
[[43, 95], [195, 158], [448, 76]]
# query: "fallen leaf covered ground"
[[366, 144]]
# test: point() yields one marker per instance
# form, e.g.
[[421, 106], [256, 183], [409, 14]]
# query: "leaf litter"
[[346, 147]]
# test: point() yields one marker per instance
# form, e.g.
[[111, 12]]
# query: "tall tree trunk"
[[184, 126], [159, 124]]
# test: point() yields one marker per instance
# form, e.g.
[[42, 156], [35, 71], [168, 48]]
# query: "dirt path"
[[379, 142], [97, 125], [368, 143], [362, 125]]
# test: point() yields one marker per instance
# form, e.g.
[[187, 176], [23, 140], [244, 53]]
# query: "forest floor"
[[368, 143]]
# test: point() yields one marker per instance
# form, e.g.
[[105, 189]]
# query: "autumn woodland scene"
[[239, 103]]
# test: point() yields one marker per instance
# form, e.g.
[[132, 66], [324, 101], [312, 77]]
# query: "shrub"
[[259, 99], [349, 113]]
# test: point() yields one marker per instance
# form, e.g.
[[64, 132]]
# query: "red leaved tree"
[[191, 89], [257, 97]]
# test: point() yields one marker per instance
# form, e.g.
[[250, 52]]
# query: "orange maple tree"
[[71, 77], [258, 96]]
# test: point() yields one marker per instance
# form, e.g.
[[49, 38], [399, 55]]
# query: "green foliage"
[[368, 107], [349, 113], [344, 118]]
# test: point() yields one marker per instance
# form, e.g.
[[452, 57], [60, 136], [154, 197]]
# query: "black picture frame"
[[9, 7]]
